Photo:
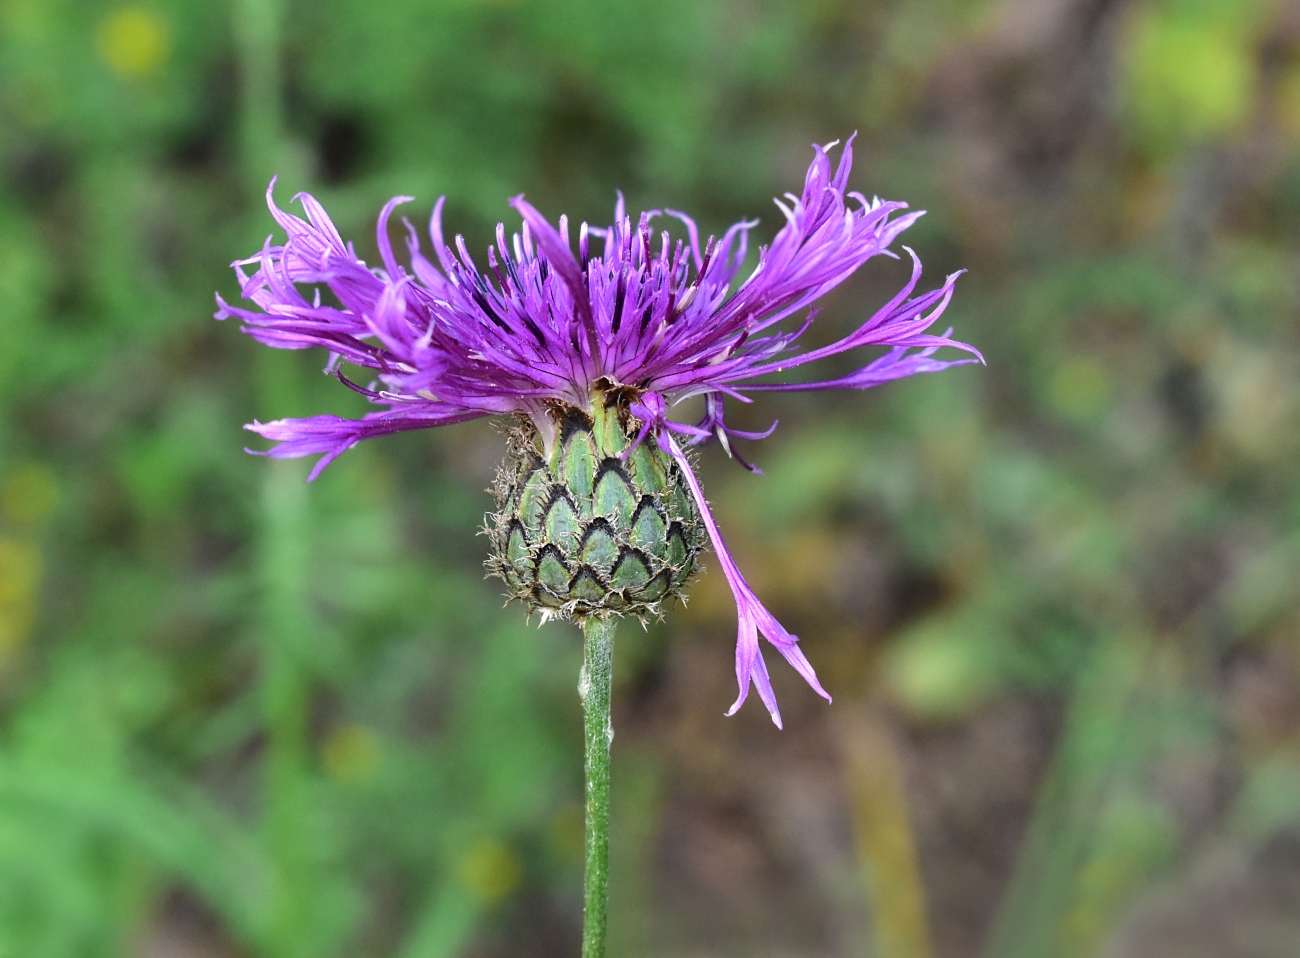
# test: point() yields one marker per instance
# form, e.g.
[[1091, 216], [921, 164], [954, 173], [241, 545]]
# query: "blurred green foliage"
[[242, 716]]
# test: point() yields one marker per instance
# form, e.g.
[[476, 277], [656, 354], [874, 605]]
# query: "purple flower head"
[[660, 319]]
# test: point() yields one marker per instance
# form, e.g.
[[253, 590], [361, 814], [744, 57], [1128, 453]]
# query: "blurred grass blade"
[[1109, 730], [444, 926], [177, 829]]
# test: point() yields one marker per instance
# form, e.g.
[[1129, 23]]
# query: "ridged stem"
[[594, 687]]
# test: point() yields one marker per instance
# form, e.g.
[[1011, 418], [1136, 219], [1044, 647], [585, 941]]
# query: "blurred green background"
[[1055, 598]]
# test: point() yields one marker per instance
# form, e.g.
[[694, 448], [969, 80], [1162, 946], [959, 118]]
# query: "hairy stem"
[[593, 686]]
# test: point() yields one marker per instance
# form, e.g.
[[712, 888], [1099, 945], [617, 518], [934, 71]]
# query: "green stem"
[[593, 686]]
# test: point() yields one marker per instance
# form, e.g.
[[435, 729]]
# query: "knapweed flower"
[[600, 511]]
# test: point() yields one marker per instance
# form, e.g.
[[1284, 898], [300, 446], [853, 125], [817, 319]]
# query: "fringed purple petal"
[[900, 324], [898, 363], [560, 256], [382, 240], [333, 435]]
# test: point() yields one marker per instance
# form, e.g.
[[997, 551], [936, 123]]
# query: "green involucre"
[[580, 530]]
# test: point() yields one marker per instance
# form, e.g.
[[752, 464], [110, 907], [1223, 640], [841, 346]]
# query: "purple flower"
[[541, 326]]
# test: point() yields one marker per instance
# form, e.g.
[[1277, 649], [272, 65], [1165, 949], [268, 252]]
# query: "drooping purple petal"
[[753, 617]]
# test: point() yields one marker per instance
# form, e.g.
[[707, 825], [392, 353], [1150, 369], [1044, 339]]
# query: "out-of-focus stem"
[[594, 687], [283, 578], [883, 834], [283, 555], [257, 41]]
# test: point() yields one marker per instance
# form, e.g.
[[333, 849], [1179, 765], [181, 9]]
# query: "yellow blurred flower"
[[29, 494], [491, 869], [133, 42], [20, 572], [350, 754]]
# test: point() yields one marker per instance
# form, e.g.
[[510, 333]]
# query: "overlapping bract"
[[541, 325]]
